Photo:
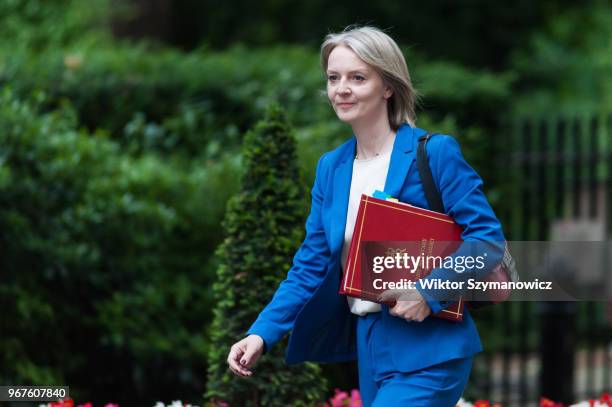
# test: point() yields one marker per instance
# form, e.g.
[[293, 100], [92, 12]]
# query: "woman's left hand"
[[409, 305]]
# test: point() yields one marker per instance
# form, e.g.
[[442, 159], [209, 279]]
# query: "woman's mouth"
[[345, 105]]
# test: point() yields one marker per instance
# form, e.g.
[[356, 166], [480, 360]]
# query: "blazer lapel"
[[342, 186], [402, 157]]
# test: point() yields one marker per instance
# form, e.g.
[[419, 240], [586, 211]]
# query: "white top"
[[368, 176]]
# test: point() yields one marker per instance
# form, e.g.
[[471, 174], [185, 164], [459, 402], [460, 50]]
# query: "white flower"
[[588, 404], [463, 403], [175, 403]]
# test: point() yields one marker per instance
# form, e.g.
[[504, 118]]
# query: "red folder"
[[392, 228]]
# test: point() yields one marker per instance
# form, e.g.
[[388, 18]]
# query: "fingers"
[[233, 360], [247, 359], [399, 294], [389, 295], [253, 351], [418, 318], [394, 310], [401, 312], [410, 311], [398, 310]]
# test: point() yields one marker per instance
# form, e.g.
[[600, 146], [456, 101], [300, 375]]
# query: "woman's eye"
[[334, 78]]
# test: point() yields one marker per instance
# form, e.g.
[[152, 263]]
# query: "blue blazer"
[[307, 301]]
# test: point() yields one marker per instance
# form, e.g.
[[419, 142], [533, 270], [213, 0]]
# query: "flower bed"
[[603, 401], [70, 403], [344, 399]]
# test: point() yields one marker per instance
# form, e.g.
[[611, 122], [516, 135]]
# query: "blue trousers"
[[381, 385]]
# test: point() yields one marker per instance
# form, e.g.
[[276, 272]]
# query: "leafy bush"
[[565, 66], [40, 24], [169, 100], [109, 83], [264, 226], [105, 256]]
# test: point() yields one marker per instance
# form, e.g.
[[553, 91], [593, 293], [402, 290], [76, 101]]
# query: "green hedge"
[[193, 99], [110, 84], [105, 270]]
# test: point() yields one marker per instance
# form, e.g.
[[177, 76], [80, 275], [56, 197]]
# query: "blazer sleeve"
[[461, 189], [305, 275]]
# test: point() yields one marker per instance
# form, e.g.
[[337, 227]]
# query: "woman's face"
[[355, 90]]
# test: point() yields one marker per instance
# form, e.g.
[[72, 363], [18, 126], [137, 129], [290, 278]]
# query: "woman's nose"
[[344, 88]]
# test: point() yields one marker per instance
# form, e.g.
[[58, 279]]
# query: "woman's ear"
[[388, 92]]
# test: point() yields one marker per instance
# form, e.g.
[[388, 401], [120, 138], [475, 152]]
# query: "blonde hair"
[[381, 52]]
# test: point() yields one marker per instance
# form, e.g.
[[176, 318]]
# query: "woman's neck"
[[373, 139]]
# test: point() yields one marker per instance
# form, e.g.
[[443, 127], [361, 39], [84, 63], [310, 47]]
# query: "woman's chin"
[[346, 118]]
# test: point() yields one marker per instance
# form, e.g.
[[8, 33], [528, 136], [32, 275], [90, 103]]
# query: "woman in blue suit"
[[404, 357]]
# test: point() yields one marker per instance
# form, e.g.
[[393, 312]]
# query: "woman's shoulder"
[[339, 154], [440, 146], [444, 154], [411, 136], [440, 140]]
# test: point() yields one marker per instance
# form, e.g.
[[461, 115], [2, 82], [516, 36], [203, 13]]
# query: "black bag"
[[506, 270]]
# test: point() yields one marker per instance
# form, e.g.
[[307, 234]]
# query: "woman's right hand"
[[244, 354]]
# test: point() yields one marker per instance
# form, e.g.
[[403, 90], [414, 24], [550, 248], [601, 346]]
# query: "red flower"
[[339, 398], [544, 402], [63, 403], [355, 398], [606, 398]]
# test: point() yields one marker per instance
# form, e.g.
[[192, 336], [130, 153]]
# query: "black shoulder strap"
[[431, 192]]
